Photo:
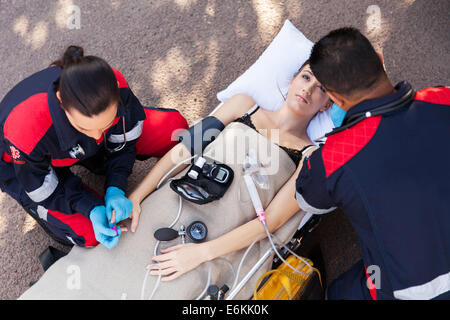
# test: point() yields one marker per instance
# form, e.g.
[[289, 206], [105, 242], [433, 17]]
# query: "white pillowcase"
[[272, 72]]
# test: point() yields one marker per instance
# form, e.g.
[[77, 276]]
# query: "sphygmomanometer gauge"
[[197, 231]]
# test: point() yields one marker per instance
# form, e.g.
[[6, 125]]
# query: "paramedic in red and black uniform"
[[387, 169], [78, 111]]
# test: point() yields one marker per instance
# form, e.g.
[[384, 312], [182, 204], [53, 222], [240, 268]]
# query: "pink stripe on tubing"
[[261, 216]]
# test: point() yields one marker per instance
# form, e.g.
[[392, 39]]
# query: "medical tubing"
[[155, 251], [266, 233], [269, 235], [256, 200], [229, 264], [236, 278], [172, 170], [209, 276], [158, 281], [208, 282], [236, 274], [171, 225], [144, 283]]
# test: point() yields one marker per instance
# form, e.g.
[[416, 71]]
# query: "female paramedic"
[[77, 111]]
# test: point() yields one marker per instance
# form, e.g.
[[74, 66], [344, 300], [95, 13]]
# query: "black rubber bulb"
[[165, 234]]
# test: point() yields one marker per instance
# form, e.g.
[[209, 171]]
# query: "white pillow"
[[272, 72]]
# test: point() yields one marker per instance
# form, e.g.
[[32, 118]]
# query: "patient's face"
[[306, 95]]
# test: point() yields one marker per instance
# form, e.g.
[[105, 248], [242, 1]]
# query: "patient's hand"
[[177, 260], [135, 212]]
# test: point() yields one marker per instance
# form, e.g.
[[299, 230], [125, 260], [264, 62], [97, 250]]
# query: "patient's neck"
[[290, 122]]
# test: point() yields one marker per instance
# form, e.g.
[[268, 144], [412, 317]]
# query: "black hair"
[[87, 83], [345, 62]]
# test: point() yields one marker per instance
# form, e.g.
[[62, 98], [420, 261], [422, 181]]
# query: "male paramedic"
[[78, 111], [387, 168]]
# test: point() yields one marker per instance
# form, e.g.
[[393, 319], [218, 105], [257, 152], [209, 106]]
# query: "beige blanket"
[[100, 273]]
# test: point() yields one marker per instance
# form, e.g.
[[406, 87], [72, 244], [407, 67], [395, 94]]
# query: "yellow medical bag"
[[285, 284]]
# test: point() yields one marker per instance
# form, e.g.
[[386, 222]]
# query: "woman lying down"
[[181, 270]]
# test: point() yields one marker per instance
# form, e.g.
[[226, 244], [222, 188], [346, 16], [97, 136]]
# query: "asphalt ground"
[[179, 54]]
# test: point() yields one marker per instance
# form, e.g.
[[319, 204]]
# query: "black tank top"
[[294, 154]]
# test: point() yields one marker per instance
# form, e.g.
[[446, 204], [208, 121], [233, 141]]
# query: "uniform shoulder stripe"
[[28, 122], [437, 95], [341, 147], [120, 78]]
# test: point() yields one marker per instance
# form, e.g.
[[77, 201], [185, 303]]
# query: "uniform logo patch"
[[15, 154], [77, 152]]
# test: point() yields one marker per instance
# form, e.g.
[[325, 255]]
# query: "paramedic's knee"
[[158, 130], [68, 229]]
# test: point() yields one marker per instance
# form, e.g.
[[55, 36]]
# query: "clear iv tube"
[[155, 252], [256, 200], [155, 249]]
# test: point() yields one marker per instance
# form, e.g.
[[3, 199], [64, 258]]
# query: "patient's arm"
[[233, 108], [282, 207], [182, 258]]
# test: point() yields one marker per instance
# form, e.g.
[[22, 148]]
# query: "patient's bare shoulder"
[[234, 108]]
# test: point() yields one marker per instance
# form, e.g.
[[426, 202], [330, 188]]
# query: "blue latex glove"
[[115, 200], [102, 229], [337, 115]]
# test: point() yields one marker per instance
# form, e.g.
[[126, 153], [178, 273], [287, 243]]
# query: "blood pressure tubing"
[[155, 249]]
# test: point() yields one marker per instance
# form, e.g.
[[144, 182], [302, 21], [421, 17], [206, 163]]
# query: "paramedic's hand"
[[135, 212], [102, 229], [115, 200], [177, 260]]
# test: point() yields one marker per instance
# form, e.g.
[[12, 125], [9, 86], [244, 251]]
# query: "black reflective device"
[[204, 182], [216, 173]]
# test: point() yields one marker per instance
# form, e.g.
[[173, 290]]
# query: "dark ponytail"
[[87, 83], [72, 55]]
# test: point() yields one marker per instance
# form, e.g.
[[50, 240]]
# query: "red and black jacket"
[[38, 144], [390, 175]]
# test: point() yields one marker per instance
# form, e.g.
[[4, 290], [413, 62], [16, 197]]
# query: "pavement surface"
[[179, 54]]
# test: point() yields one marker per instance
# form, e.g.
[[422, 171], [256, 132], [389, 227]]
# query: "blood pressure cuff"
[[204, 189], [198, 136]]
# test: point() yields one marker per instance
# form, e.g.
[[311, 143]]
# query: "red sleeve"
[[437, 95], [120, 79], [28, 122]]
